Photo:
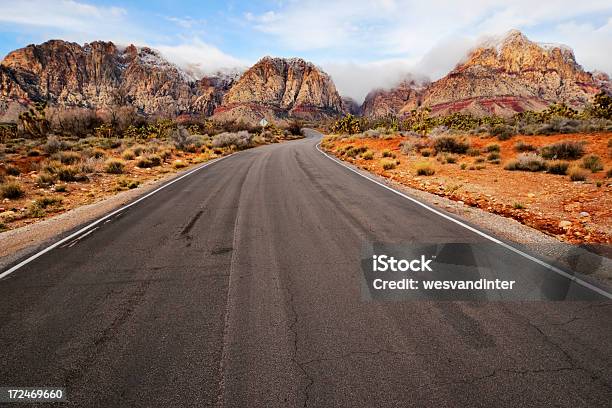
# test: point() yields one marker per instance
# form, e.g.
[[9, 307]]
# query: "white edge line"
[[482, 234], [107, 216]]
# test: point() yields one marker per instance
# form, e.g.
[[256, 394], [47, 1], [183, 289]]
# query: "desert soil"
[[574, 212]]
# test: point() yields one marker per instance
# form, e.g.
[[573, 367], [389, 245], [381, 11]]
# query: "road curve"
[[239, 286]]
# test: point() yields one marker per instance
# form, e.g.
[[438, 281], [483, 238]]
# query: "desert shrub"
[[138, 149], [524, 147], [479, 160], [46, 201], [502, 132], [493, 156], [463, 166], [35, 211], [67, 157], [473, 152], [128, 154], [124, 183], [527, 162], [179, 164], [354, 151], [96, 153], [12, 170], [11, 190], [62, 188], [424, 169], [54, 145], [183, 140], [592, 162], [369, 155], [558, 167], [46, 179], [451, 159], [69, 173], [149, 161], [388, 164], [492, 148], [577, 174], [114, 166], [426, 152], [450, 144], [609, 173], [241, 139], [164, 154], [33, 153], [564, 150], [388, 153], [518, 206]]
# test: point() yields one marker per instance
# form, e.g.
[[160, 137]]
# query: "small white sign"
[[263, 122]]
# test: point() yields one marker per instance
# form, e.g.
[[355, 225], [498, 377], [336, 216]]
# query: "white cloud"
[[199, 57], [65, 15]]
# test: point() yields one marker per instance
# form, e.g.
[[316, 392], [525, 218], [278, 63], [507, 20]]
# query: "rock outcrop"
[[278, 88], [383, 102], [102, 75], [500, 77]]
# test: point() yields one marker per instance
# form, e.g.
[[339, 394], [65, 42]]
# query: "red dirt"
[[547, 199]]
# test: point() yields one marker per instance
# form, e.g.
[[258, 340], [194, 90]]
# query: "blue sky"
[[362, 44]]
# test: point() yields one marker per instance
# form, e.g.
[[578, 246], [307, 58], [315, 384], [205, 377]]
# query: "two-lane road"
[[240, 286]]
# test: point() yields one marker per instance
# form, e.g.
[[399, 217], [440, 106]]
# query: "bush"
[[33, 153], [609, 173], [424, 169], [493, 156], [473, 152], [128, 154], [241, 139], [524, 147], [518, 206], [124, 183], [592, 162], [577, 174], [558, 167], [388, 153], [45, 179], [12, 170], [565, 150], [388, 164], [69, 173], [97, 153], [67, 157], [503, 132], [451, 159], [426, 152], [149, 161], [114, 166], [527, 162], [450, 144], [11, 190], [183, 140], [179, 164], [62, 188], [369, 155], [492, 148], [54, 145], [354, 151]]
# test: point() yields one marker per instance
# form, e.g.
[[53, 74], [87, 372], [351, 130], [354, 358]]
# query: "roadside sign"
[[263, 122]]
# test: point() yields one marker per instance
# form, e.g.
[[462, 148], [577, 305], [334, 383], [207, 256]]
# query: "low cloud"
[[200, 58]]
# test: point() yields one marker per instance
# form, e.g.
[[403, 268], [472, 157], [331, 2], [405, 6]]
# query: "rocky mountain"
[[382, 102], [278, 88], [500, 77], [101, 75]]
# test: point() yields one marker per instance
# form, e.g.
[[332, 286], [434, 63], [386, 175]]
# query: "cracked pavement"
[[239, 286]]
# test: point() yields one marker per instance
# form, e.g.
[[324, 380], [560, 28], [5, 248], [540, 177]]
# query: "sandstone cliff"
[[102, 75], [500, 77], [278, 88]]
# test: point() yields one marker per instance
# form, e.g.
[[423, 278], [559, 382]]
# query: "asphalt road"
[[240, 286]]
